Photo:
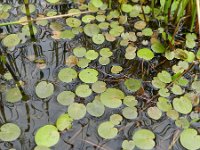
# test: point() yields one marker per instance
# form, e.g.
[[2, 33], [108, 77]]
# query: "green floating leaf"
[[26, 30], [116, 69], [83, 62], [147, 32], [107, 131], [31, 8], [91, 55], [164, 76], [140, 25], [104, 60], [88, 75], [189, 139], [99, 87], [91, 30], [182, 105], [98, 39], [182, 123], [173, 114], [47, 135], [96, 108], [177, 90], [144, 139], [106, 52], [79, 51], [145, 54], [11, 40], [154, 113], [9, 132], [64, 122], [130, 112], [128, 145], [116, 119], [83, 90], [97, 3], [66, 98], [41, 148], [44, 89], [88, 18], [77, 111], [163, 104], [53, 1], [67, 75], [157, 47], [196, 85], [157, 83], [13, 95], [112, 97], [67, 34], [130, 101], [133, 84], [126, 8], [73, 22]]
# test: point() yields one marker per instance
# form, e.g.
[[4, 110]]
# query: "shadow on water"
[[34, 113]]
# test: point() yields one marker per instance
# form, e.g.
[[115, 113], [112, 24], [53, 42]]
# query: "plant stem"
[[45, 18], [198, 13]]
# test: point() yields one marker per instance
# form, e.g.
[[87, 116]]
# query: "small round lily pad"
[[9, 132], [83, 90], [107, 131], [44, 89], [67, 75], [11, 40], [77, 111], [13, 95], [47, 135], [133, 84], [145, 54], [88, 75], [66, 98]]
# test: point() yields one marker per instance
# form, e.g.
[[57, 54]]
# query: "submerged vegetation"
[[105, 65]]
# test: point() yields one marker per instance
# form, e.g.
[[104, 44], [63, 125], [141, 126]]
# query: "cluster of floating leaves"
[[173, 98]]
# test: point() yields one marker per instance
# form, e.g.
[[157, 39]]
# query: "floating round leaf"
[[130, 112], [133, 84], [163, 104], [26, 30], [41, 148], [66, 98], [11, 40], [190, 139], [106, 52], [144, 139], [130, 101], [96, 108], [73, 22], [157, 47], [196, 85], [164, 76], [64, 122], [116, 69], [31, 8], [67, 34], [173, 114], [99, 87], [116, 119], [88, 75], [107, 131], [128, 145], [91, 29], [88, 18], [9, 132], [157, 83], [13, 95], [104, 60], [112, 97], [98, 39], [77, 111], [182, 123], [47, 135], [83, 62], [147, 32], [145, 53], [83, 90], [53, 1], [140, 25], [176, 89], [154, 113], [79, 51], [91, 55], [44, 89], [67, 75], [97, 3], [126, 8], [182, 105]]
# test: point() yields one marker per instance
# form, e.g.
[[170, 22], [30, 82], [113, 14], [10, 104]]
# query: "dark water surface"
[[34, 113]]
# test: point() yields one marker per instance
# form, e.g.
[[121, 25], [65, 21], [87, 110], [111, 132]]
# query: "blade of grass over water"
[[45, 18], [194, 14], [198, 13], [30, 25]]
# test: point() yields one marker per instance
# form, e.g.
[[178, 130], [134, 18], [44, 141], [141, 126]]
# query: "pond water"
[[33, 113]]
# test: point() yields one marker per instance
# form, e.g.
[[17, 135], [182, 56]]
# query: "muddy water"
[[34, 113]]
